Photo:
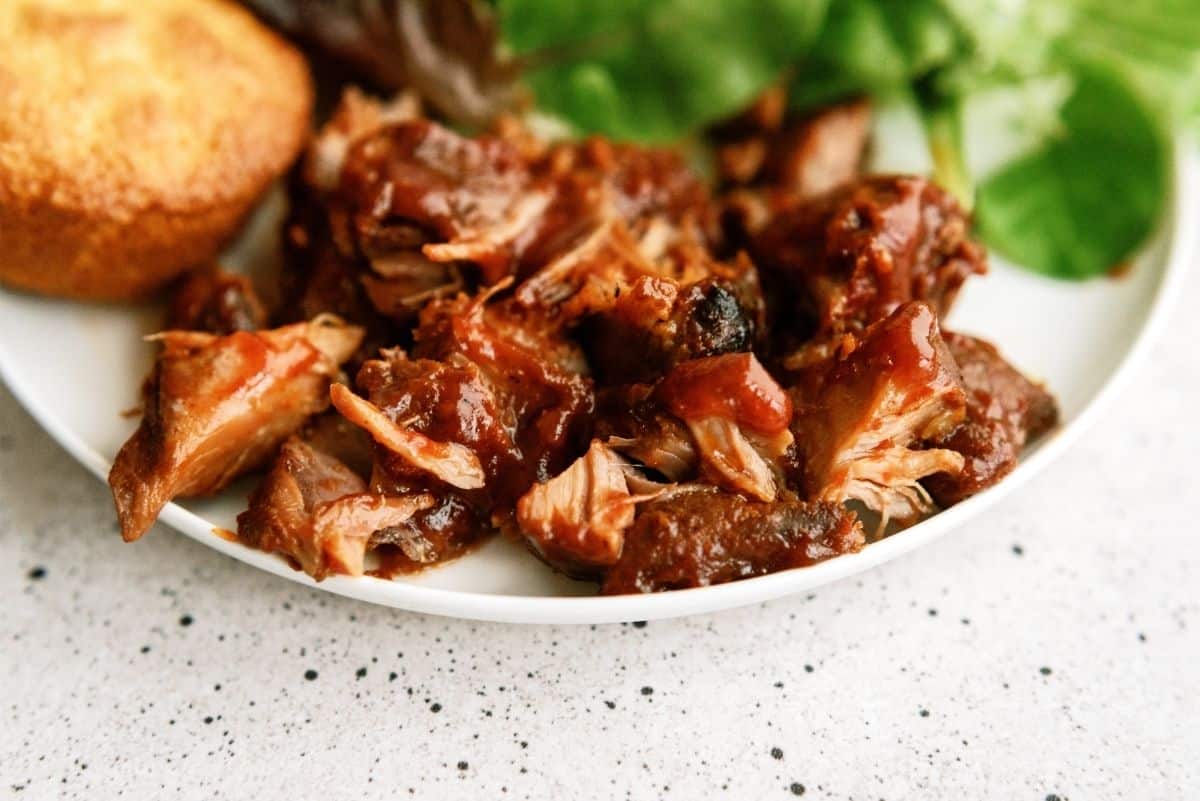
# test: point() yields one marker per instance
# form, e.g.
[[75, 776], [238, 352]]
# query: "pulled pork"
[[570, 343], [217, 406]]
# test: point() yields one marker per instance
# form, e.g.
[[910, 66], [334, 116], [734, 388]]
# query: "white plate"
[[76, 367]]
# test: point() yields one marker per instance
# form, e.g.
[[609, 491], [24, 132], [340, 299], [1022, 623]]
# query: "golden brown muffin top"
[[114, 106]]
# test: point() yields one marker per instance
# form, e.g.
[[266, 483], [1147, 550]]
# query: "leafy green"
[[1155, 44], [1087, 198], [875, 47], [655, 70]]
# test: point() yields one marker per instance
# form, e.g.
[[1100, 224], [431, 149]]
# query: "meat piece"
[[215, 301], [317, 511], [576, 521], [858, 416], [738, 417], [701, 538], [632, 420], [469, 199], [216, 407], [531, 389], [819, 152], [795, 157], [334, 435], [345, 526], [849, 258], [355, 116], [281, 512], [657, 323], [440, 533], [639, 184], [455, 464], [1005, 410], [768, 162], [619, 215], [321, 250], [351, 250], [741, 143]]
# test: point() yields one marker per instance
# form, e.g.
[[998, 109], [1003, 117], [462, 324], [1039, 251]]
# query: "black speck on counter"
[[145, 649], [360, 673], [1054, 797], [1018, 550], [310, 674], [797, 788], [933, 613], [611, 704], [39, 573], [924, 713], [208, 719], [186, 620], [808, 668], [393, 676], [639, 624], [777, 753], [647, 691], [1045, 671], [435, 707], [1141, 637], [462, 765]]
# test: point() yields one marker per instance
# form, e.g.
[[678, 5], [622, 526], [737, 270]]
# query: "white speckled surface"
[[1051, 649]]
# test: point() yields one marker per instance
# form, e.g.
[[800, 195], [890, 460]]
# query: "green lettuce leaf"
[[875, 47], [1084, 201], [654, 70]]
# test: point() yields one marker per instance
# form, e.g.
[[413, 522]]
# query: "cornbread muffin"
[[135, 136]]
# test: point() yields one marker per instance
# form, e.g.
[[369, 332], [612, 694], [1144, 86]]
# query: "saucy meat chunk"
[[694, 539], [656, 324], [632, 420], [1005, 411], [794, 156], [576, 521], [860, 414], [738, 417], [317, 511], [218, 406], [852, 256], [215, 301], [537, 378], [483, 405]]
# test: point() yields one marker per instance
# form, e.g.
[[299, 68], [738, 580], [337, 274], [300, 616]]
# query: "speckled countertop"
[[1049, 650]]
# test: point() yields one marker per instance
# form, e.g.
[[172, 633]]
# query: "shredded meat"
[[215, 301], [656, 323], [317, 511], [218, 406], [768, 160], [851, 257], [631, 419], [794, 157], [708, 537], [1005, 410], [576, 344], [860, 414], [444, 531], [576, 521]]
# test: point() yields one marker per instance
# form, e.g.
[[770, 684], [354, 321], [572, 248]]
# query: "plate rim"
[[1181, 250]]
